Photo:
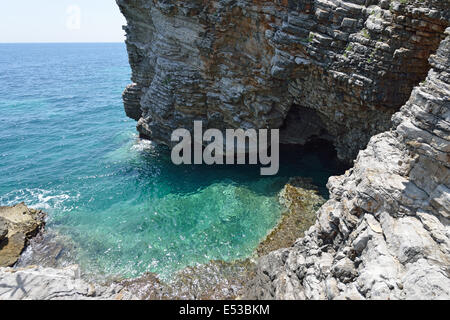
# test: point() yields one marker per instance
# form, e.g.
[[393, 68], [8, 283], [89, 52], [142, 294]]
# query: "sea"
[[67, 147]]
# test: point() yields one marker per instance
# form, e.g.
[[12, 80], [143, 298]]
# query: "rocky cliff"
[[385, 232], [331, 69]]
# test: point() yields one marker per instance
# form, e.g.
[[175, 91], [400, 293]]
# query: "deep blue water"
[[67, 147]]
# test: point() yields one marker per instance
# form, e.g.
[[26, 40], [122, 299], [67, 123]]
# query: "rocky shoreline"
[[18, 225], [384, 234]]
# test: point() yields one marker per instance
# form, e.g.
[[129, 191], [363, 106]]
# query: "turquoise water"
[[67, 147]]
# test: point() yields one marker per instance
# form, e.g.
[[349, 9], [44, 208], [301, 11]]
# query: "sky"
[[60, 21]]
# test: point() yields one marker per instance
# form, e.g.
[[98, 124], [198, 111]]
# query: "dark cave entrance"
[[307, 149], [303, 125]]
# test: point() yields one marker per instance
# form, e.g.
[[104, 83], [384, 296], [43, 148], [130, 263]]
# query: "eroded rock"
[[301, 200]]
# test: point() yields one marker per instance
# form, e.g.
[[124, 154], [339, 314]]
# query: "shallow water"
[[67, 147]]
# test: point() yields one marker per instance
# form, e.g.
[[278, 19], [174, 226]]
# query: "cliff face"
[[333, 69], [385, 232]]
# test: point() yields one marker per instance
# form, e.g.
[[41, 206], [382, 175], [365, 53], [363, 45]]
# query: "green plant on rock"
[[348, 49], [309, 39], [372, 56], [167, 81], [365, 33]]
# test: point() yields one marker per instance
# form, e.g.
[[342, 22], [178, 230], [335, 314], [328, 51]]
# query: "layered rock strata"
[[334, 69], [385, 232]]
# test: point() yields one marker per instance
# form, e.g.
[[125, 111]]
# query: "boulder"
[[18, 224]]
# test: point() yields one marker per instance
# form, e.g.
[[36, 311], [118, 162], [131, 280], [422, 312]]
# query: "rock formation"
[[385, 232], [301, 200], [17, 225], [334, 69]]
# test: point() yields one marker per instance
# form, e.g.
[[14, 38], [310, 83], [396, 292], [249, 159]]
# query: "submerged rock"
[[301, 200], [217, 280], [337, 70], [18, 224]]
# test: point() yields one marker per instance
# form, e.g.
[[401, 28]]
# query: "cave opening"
[[303, 125]]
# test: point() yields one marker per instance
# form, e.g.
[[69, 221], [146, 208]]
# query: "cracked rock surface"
[[37, 283]]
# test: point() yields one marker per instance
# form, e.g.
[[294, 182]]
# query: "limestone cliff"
[[332, 69]]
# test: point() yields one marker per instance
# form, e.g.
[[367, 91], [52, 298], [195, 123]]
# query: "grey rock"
[[344, 270], [36, 283]]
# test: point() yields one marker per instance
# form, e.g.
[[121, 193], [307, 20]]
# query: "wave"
[[40, 198], [142, 145]]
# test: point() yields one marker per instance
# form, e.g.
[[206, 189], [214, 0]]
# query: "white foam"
[[38, 198], [143, 145]]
